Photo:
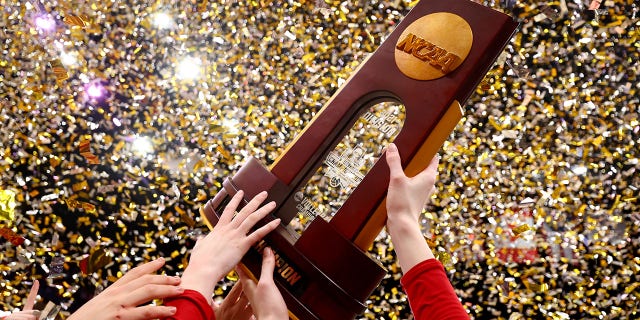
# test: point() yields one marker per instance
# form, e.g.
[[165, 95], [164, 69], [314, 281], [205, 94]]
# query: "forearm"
[[409, 243], [202, 280]]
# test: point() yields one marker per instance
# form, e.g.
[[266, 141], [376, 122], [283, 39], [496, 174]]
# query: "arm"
[[406, 198], [430, 293]]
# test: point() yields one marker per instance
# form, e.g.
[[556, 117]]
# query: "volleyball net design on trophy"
[[330, 183]]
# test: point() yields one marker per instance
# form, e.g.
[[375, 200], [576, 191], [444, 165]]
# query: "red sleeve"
[[190, 305], [430, 293]]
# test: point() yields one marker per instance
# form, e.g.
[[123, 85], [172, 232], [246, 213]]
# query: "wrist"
[[399, 224], [202, 280]]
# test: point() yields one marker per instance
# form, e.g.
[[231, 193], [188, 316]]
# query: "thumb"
[[393, 160], [268, 264]]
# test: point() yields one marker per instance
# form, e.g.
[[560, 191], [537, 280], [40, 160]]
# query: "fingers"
[[150, 292], [139, 271], [268, 264], [33, 294], [231, 207], [147, 312], [262, 231], [393, 161], [151, 287], [250, 221], [251, 207]]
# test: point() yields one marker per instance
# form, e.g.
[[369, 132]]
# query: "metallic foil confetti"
[[56, 268], [97, 259], [85, 151], [7, 205], [76, 21], [556, 121], [11, 236], [520, 229]]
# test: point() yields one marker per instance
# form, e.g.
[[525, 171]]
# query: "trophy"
[[429, 64]]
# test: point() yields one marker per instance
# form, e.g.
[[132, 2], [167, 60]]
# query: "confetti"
[[59, 71], [7, 205], [555, 120], [520, 229], [11, 236], [56, 268], [85, 151], [98, 259], [76, 21]]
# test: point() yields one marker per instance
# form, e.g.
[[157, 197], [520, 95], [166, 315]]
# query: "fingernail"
[[180, 289], [177, 278], [392, 147], [35, 312], [263, 193], [172, 310], [267, 250]]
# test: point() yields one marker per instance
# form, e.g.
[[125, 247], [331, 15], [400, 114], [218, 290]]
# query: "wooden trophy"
[[432, 61]]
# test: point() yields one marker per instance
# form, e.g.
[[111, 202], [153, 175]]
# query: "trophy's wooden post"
[[433, 60]]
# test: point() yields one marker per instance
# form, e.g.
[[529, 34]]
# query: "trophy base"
[[320, 274]]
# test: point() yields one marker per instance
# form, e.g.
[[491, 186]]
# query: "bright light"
[[95, 90], [188, 68], [142, 145], [231, 125], [579, 170], [68, 59], [163, 21], [45, 23]]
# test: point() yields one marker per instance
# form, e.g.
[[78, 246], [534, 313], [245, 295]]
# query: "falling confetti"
[[556, 120]]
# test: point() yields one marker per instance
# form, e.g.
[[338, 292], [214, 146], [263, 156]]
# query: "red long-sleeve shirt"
[[190, 305], [430, 293]]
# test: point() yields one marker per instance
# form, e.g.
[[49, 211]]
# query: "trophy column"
[[433, 60]]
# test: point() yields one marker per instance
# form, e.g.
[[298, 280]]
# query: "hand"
[[265, 298], [27, 313], [235, 305], [122, 298], [216, 254], [406, 199]]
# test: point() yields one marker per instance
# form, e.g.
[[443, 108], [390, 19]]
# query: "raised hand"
[[265, 298], [124, 299], [216, 254], [406, 199]]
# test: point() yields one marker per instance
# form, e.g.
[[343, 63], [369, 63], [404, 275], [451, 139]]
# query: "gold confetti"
[[76, 21], [85, 151], [517, 231], [59, 71], [7, 205]]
